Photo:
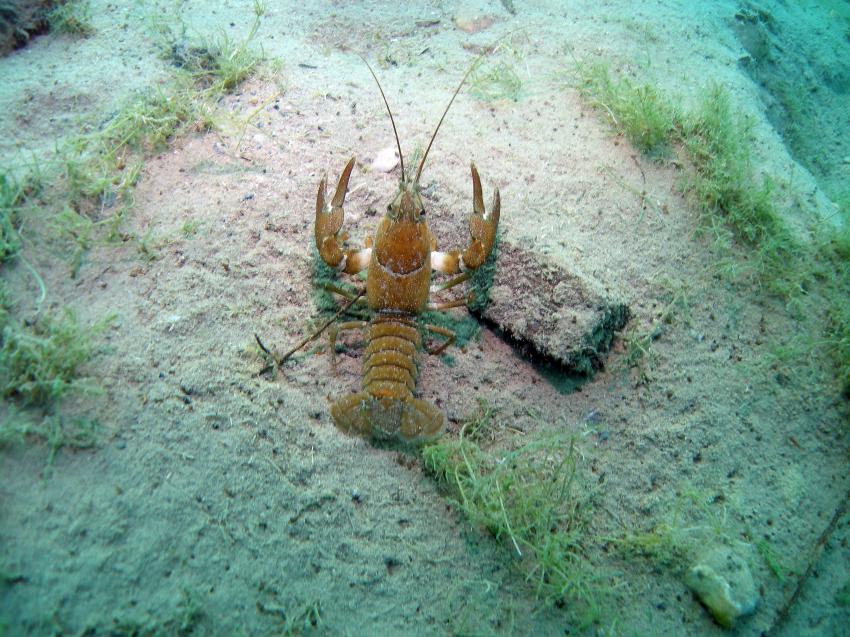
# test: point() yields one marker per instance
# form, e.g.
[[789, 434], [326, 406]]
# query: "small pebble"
[[385, 160], [474, 24], [724, 584]]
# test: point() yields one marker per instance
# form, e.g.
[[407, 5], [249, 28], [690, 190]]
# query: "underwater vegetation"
[[216, 63], [11, 196], [533, 499], [676, 541], [39, 363], [495, 81], [495, 76], [39, 360], [80, 196], [536, 499], [736, 205], [56, 431], [637, 111], [101, 168], [22, 20], [73, 18]]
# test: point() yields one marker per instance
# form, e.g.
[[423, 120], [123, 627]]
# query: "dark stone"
[[563, 316]]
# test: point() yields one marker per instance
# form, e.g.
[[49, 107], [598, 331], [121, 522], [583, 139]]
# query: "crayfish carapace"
[[398, 263]]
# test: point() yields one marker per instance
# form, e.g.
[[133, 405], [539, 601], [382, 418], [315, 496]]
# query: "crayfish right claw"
[[329, 219], [482, 226]]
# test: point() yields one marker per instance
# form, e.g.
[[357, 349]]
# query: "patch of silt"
[[22, 20], [799, 58]]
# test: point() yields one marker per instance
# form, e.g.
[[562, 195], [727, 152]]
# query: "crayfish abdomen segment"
[[386, 408]]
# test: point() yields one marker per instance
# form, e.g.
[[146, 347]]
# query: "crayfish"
[[399, 262]]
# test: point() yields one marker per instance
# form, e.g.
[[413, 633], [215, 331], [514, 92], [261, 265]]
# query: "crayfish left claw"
[[482, 226], [329, 219]]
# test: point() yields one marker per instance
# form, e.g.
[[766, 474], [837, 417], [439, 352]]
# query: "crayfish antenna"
[[392, 121], [454, 95], [445, 112]]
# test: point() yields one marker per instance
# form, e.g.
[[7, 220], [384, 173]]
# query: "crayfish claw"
[[342, 186], [329, 219], [482, 226], [477, 194]]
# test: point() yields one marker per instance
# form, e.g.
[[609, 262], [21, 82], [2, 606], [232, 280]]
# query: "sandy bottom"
[[235, 494]]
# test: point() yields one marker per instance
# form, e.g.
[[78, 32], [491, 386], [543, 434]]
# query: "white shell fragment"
[[385, 160]]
